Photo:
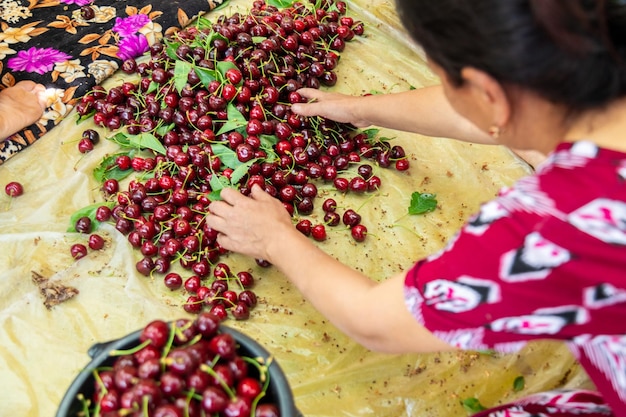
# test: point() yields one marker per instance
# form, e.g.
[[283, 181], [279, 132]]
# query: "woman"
[[547, 258]]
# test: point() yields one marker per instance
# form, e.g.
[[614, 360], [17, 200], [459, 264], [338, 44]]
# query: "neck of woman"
[[606, 127]]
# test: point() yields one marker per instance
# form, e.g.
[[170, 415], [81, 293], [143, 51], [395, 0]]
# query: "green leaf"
[[371, 133], [108, 169], [217, 183], [422, 203], [171, 48], [181, 72], [121, 139], [221, 6], [281, 3], [472, 405], [143, 140], [204, 23], [267, 144], [89, 211], [84, 117], [147, 140], [258, 39], [163, 129], [236, 120], [206, 75], [223, 66], [226, 155], [241, 171], [268, 141], [154, 86], [519, 383]]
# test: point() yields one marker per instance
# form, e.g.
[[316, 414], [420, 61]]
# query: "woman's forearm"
[[424, 111]]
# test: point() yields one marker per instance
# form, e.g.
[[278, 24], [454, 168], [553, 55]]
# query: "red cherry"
[[318, 232], [14, 189], [233, 75], [78, 251], [359, 232], [402, 164], [85, 145], [96, 242]]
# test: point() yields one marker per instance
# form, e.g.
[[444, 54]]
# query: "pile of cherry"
[[212, 107], [186, 369]]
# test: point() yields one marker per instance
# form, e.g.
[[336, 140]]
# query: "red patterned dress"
[[546, 259]]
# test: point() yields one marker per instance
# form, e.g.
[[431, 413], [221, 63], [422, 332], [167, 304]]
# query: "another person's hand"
[[338, 107], [249, 225], [20, 106]]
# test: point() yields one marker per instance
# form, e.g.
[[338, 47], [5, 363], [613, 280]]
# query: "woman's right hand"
[[335, 106]]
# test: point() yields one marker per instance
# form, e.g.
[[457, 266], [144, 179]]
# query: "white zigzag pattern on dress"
[[526, 196], [608, 354], [576, 157]]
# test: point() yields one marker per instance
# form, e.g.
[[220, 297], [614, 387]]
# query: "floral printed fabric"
[[551, 264], [49, 41]]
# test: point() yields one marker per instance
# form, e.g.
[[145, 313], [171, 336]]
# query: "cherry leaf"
[[519, 383], [226, 155], [163, 129], [472, 405], [147, 141], [241, 171], [87, 116], [108, 169], [206, 75], [223, 66], [88, 211], [217, 183], [181, 72], [371, 133], [422, 203], [235, 121], [170, 49], [281, 3]]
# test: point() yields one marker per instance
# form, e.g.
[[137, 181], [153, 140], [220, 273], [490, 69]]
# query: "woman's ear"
[[489, 94]]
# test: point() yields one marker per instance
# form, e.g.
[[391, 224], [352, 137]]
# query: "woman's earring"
[[494, 131]]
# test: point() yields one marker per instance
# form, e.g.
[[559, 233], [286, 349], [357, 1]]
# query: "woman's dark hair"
[[572, 52]]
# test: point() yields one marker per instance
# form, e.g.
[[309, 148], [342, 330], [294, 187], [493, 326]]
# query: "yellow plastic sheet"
[[41, 350]]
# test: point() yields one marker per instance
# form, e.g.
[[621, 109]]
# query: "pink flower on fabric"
[[130, 25], [39, 60], [77, 2], [132, 46]]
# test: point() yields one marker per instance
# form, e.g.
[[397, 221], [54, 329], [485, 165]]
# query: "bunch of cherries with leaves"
[[212, 109], [189, 368]]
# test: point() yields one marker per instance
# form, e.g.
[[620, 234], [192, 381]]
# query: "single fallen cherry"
[[78, 251], [318, 232], [14, 189], [359, 232], [95, 242], [85, 145], [83, 225]]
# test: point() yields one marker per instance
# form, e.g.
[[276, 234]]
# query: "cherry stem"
[[219, 379], [122, 352], [85, 403], [168, 345], [408, 229], [263, 369]]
